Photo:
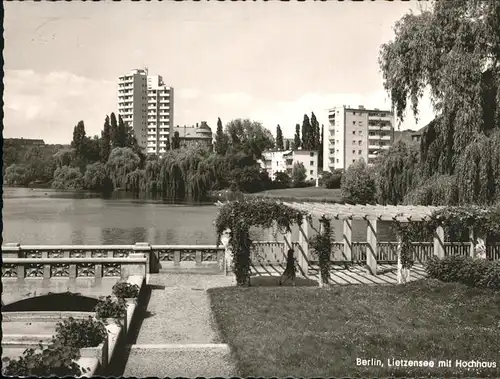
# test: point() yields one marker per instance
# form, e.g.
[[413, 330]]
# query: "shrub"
[[299, 175], [358, 184], [107, 307], [80, 333], [55, 360], [331, 180], [466, 270], [125, 290]]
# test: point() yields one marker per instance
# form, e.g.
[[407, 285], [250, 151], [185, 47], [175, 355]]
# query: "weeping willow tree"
[[181, 174], [454, 51], [397, 172], [121, 162]]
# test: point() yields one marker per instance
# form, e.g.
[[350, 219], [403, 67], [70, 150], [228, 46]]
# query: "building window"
[[337, 161], [311, 163], [354, 114], [354, 151], [311, 172], [311, 154], [354, 122], [359, 151], [353, 132], [354, 160]]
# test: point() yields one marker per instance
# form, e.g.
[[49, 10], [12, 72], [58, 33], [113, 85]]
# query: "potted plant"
[[87, 335], [109, 309], [127, 291]]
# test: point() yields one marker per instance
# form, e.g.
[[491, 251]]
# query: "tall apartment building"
[[355, 133], [147, 105]]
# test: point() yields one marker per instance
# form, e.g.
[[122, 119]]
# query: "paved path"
[[177, 336]]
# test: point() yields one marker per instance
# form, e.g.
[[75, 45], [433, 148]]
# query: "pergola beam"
[[402, 213]]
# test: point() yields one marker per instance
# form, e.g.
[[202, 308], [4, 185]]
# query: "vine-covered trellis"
[[238, 217]]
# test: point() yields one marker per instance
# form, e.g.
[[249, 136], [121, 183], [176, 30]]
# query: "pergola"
[[371, 214]]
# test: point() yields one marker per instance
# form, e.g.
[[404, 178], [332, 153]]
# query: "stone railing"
[[184, 256], [71, 262]]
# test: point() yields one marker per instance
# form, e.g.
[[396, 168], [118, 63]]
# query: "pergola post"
[[403, 274], [472, 240], [371, 251], [347, 237], [439, 242], [303, 253]]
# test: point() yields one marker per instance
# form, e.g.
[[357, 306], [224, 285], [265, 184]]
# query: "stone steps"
[[170, 360]]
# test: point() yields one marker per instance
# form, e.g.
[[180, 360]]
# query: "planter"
[[131, 300], [99, 352], [92, 352]]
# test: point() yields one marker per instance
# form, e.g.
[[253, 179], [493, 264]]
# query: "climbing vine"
[[239, 216], [456, 222], [321, 244], [409, 232]]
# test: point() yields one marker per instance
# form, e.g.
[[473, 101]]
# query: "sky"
[[270, 61]]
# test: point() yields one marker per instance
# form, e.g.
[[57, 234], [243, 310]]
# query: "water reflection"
[[31, 217]]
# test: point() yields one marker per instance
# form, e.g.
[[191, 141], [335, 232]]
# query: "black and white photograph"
[[266, 188]]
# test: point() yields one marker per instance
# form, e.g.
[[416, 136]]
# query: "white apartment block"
[[283, 160], [356, 133], [147, 105]]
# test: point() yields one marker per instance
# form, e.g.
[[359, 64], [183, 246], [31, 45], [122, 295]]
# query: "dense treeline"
[[115, 161]]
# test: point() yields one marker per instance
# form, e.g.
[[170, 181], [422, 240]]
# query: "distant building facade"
[[23, 142], [356, 133], [275, 161], [196, 135], [147, 105]]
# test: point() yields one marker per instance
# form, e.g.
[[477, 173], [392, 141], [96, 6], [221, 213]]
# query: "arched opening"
[[57, 302]]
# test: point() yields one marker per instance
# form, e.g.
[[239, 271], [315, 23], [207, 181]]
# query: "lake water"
[[51, 217]]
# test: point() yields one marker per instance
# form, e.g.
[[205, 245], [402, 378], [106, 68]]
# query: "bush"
[[466, 270], [56, 360], [281, 180], [331, 180], [299, 175], [124, 290], [80, 333], [107, 307], [358, 184]]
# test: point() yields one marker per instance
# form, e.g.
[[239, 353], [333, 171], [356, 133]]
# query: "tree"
[[67, 178], [306, 133], [96, 177], [121, 162], [287, 144], [397, 172], [114, 131], [176, 141], [358, 185], [321, 147], [221, 139], [92, 149], [250, 137], [79, 140], [105, 140], [299, 175], [315, 133], [454, 51], [122, 136], [279, 138], [17, 175], [297, 140]]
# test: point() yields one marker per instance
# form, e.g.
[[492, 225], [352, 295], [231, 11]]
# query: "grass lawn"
[[311, 332], [306, 193]]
